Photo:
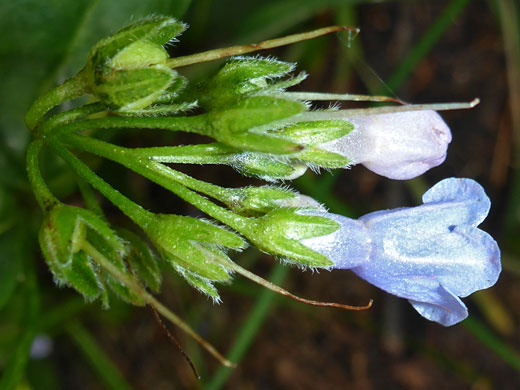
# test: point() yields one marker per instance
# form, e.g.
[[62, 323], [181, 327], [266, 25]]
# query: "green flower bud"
[[61, 236], [268, 167], [241, 125], [128, 71], [194, 245], [281, 232], [239, 77], [254, 201]]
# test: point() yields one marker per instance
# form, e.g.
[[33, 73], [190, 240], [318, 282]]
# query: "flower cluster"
[[432, 254]]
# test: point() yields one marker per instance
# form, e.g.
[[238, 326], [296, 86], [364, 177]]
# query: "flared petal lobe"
[[433, 254]]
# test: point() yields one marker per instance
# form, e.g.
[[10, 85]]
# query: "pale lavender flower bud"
[[400, 145]]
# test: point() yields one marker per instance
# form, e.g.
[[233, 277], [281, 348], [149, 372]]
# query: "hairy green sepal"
[[128, 71], [62, 237], [280, 232]]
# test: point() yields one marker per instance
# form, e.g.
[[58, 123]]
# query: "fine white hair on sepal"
[[334, 106]]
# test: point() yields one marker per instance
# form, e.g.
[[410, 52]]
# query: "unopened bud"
[[239, 77], [128, 70], [400, 145]]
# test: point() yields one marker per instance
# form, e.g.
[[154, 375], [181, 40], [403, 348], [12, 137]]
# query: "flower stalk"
[[150, 300], [216, 54]]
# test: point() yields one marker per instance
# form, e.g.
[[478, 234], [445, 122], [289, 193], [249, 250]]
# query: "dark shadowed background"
[[419, 51]]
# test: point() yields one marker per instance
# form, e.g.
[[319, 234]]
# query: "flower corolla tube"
[[432, 254], [399, 145]]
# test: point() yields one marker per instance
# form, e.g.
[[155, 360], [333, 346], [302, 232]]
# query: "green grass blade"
[[426, 43], [490, 340], [15, 368], [96, 357], [509, 15], [249, 328]]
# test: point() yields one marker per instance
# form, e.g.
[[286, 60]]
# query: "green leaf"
[[50, 41], [39, 39]]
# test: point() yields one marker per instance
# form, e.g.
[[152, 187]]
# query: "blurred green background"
[[419, 51]]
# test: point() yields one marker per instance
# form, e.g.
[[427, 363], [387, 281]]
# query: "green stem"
[[214, 153], [277, 289], [339, 96], [326, 115], [192, 124], [134, 211], [70, 89], [243, 49], [70, 115], [195, 154], [164, 176], [167, 178], [43, 195], [149, 299], [88, 195]]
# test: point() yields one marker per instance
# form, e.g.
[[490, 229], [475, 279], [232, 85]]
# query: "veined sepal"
[[265, 166], [141, 259], [242, 124], [194, 247], [257, 201], [241, 77], [281, 232], [128, 71], [64, 236]]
